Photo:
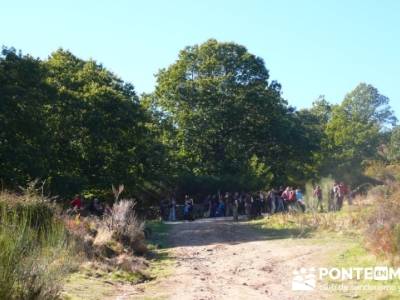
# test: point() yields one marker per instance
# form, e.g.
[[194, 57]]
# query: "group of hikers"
[[253, 205], [226, 204], [93, 207]]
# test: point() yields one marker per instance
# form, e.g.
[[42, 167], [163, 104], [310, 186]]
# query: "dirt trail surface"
[[220, 259]]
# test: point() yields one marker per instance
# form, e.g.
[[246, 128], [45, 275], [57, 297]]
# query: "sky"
[[312, 47]]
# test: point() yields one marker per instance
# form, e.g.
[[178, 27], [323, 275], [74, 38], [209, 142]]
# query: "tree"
[[99, 127], [394, 144], [23, 130], [225, 113], [315, 121], [321, 109], [355, 129], [76, 125]]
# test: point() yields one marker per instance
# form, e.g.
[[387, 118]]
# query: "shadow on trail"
[[222, 231]]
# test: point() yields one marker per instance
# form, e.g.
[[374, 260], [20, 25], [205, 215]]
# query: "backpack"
[[292, 196]]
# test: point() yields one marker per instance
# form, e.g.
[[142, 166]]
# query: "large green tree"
[[76, 125], [100, 128], [356, 129], [316, 119], [228, 119], [24, 93]]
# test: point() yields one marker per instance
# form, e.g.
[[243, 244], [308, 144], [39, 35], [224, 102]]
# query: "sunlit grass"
[[35, 251]]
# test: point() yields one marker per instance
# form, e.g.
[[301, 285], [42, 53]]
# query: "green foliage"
[[23, 130], [383, 231], [394, 144], [100, 126], [75, 124], [225, 114], [34, 255], [355, 131], [215, 121]]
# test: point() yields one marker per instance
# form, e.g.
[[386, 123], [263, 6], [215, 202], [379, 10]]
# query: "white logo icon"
[[304, 279]]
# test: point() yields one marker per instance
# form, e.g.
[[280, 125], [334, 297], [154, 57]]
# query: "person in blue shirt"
[[300, 199], [220, 209]]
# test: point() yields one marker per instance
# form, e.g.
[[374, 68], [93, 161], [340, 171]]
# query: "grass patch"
[[80, 286], [157, 234], [161, 259], [96, 281], [35, 251], [301, 225], [358, 256]]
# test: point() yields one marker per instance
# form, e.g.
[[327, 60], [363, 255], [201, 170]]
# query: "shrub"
[[117, 232], [35, 252], [126, 226], [383, 229], [304, 223]]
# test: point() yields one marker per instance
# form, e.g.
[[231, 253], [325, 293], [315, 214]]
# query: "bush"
[[383, 172], [126, 226], [35, 253], [383, 230], [113, 239]]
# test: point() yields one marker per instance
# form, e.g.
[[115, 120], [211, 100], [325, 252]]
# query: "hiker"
[[317, 193], [263, 202], [235, 207], [257, 206], [207, 207], [285, 198], [96, 208], [279, 203], [242, 209], [300, 199], [344, 190], [253, 209], [247, 205], [331, 200], [172, 209], [76, 203], [271, 199], [214, 206], [220, 212], [290, 195], [188, 209], [340, 196], [337, 197], [164, 209], [228, 204]]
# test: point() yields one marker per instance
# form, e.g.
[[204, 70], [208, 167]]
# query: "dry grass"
[[113, 240], [35, 252], [375, 217], [383, 228], [350, 219], [126, 226]]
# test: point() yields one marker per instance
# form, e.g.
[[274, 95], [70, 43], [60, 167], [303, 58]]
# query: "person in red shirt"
[[344, 189], [77, 202]]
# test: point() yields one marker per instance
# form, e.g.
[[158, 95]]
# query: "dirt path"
[[219, 259]]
